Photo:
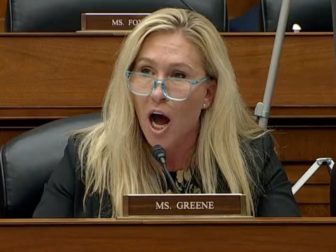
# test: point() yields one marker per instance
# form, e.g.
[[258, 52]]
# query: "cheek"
[[138, 106], [189, 114], [195, 102], [195, 106]]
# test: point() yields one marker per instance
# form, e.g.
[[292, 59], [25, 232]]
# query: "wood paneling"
[[3, 7], [8, 134], [295, 171], [166, 235], [305, 144], [47, 71], [2, 24], [300, 68], [315, 210], [313, 194]]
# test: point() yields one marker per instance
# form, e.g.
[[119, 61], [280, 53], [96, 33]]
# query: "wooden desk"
[[306, 234], [49, 76]]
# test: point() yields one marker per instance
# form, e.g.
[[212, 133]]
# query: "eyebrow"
[[150, 61]]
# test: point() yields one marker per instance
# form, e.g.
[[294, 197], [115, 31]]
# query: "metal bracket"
[[318, 163], [259, 111]]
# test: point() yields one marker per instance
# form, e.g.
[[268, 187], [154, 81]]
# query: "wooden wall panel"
[[315, 210], [296, 170], [8, 134], [3, 7], [313, 194], [47, 71], [303, 77], [305, 144]]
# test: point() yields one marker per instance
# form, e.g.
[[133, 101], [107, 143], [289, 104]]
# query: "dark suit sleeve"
[[276, 198], [58, 197]]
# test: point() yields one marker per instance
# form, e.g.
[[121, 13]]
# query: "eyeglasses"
[[176, 89]]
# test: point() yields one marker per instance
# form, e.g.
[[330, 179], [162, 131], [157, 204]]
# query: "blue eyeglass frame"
[[162, 82]]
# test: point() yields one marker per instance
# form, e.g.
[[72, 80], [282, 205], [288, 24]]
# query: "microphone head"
[[159, 153]]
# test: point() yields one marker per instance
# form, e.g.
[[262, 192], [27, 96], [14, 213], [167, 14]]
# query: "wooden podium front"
[[170, 234]]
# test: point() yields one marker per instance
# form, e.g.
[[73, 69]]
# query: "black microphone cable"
[[159, 154]]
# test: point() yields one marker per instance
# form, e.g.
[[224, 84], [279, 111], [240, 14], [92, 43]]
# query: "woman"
[[173, 86]]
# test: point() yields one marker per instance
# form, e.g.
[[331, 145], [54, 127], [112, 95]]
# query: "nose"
[[157, 92]]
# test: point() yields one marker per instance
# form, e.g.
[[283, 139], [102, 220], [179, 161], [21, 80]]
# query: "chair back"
[[65, 15], [27, 161], [310, 15], [333, 192]]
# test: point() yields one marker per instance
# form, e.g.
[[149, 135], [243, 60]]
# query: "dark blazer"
[[63, 194]]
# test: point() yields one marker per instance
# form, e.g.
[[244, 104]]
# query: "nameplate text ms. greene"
[[184, 204]]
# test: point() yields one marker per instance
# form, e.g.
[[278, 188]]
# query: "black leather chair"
[[311, 15], [65, 15], [27, 161], [249, 22], [333, 192]]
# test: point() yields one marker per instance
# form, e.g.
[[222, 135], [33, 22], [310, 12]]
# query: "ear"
[[211, 88]]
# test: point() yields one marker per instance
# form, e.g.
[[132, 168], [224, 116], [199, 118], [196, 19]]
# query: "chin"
[[158, 141]]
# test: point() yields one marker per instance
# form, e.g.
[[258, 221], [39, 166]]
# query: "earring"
[[204, 106]]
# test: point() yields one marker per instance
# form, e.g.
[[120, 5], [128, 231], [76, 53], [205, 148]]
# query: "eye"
[[146, 70], [179, 75]]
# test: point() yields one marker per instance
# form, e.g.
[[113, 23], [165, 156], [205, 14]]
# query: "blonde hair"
[[116, 158]]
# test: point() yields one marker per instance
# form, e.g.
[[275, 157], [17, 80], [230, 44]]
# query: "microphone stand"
[[169, 179], [333, 7], [159, 154], [262, 109]]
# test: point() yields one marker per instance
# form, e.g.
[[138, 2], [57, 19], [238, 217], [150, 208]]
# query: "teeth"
[[157, 113], [157, 126], [156, 122]]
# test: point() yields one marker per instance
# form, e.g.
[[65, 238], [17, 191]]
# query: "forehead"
[[173, 42]]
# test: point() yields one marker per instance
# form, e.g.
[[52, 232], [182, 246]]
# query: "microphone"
[[159, 153]]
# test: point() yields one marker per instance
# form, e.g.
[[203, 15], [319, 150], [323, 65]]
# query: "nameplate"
[[184, 204], [110, 21]]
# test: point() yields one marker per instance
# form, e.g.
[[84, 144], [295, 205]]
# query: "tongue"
[[159, 119]]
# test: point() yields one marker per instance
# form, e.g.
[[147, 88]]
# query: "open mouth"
[[158, 121]]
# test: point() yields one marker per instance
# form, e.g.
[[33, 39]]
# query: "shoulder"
[[273, 195], [71, 158], [262, 160], [265, 163], [260, 149], [73, 143], [72, 148], [263, 142]]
